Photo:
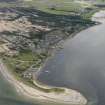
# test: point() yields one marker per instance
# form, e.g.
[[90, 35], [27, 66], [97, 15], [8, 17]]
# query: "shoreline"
[[59, 46], [68, 97], [21, 88]]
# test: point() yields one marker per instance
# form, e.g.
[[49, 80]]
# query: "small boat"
[[47, 71]]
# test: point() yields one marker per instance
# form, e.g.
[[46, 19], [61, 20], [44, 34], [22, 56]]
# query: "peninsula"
[[29, 35]]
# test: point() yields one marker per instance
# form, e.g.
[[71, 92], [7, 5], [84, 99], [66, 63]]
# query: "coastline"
[[59, 46], [21, 88], [68, 97]]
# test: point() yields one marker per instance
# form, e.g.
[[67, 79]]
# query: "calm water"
[[80, 65]]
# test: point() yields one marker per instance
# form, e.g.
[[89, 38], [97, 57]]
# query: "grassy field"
[[24, 60], [64, 7], [57, 6]]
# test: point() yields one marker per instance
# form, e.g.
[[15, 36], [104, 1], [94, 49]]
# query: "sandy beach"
[[68, 97]]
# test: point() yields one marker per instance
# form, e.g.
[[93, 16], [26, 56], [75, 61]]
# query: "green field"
[[58, 6]]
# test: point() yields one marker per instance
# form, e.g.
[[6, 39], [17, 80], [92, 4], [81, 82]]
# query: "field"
[[58, 6]]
